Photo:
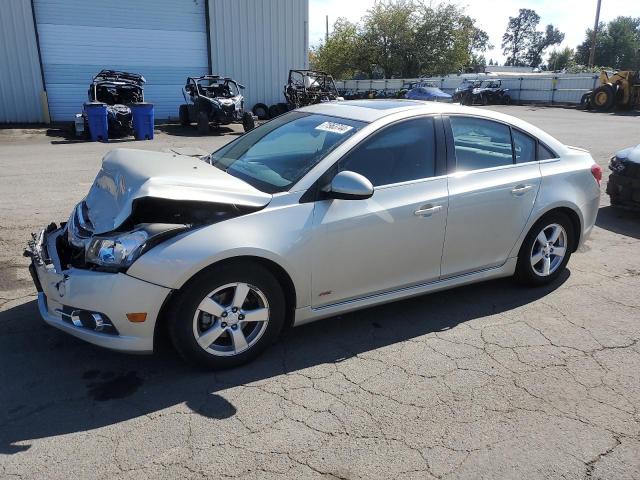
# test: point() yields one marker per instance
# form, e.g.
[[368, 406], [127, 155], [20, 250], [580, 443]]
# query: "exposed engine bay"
[[141, 198]]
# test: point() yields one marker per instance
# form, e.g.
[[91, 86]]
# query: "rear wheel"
[[203, 123], [248, 123], [546, 250], [603, 97], [183, 113], [227, 316], [506, 100]]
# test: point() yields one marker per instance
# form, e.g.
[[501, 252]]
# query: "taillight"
[[596, 171]]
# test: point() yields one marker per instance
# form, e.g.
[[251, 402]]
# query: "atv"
[[464, 90], [214, 99], [117, 90], [307, 87], [490, 92]]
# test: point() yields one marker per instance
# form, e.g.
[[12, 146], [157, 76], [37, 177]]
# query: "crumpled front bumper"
[[111, 295]]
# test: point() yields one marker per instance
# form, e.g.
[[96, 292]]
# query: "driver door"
[[393, 239]]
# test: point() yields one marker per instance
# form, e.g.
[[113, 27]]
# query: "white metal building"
[[50, 49]]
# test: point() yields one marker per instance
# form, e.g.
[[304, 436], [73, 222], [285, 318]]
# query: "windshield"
[[274, 156]]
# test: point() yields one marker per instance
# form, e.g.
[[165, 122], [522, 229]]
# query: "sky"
[[572, 17]]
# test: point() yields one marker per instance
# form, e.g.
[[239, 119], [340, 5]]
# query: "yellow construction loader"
[[619, 90]]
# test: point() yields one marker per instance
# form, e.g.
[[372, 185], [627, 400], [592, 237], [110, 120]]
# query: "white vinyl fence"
[[534, 88]]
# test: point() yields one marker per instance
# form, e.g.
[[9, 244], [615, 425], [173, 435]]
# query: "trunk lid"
[[127, 175]]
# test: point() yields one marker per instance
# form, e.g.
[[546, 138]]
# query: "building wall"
[[257, 41], [163, 40], [20, 77]]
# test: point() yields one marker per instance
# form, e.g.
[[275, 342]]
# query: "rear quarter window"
[[545, 153]]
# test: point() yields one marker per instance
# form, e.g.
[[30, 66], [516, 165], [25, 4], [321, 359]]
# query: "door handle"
[[427, 210], [521, 189]]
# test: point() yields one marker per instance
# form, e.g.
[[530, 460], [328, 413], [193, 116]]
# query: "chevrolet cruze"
[[321, 211]]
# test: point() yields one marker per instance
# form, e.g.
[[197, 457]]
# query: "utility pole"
[[326, 35], [592, 53]]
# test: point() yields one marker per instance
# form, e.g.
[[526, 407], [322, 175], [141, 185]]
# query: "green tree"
[[388, 36], [540, 42], [340, 54], [617, 44], [520, 36], [402, 38], [561, 59]]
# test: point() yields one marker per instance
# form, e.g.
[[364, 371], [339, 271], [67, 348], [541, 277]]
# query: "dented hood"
[[127, 175]]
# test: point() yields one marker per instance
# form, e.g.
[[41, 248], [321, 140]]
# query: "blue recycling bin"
[[97, 120], [143, 118]]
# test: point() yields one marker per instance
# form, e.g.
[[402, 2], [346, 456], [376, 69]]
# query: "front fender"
[[278, 234]]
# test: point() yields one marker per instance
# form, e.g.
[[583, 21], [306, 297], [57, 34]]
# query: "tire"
[[274, 111], [188, 319], [183, 113], [261, 111], [506, 100], [533, 274], [283, 108], [585, 101], [603, 97], [248, 123], [203, 123]]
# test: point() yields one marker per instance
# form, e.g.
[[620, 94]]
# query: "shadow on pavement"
[[54, 384], [179, 130], [618, 220]]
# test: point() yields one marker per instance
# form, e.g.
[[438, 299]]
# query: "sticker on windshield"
[[333, 127]]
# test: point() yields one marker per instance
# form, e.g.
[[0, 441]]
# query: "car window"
[[277, 154], [480, 143], [400, 153], [544, 153], [524, 147]]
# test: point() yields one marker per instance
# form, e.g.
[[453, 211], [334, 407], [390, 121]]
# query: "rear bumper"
[[110, 295]]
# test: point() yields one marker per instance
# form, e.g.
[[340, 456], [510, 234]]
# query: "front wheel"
[[248, 123], [227, 316], [183, 113], [203, 123], [546, 250]]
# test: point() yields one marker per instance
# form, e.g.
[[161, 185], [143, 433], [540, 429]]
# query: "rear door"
[[491, 193]]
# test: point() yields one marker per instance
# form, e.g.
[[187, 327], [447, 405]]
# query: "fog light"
[[137, 317]]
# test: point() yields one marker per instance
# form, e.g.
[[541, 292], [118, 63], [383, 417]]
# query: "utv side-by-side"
[[117, 90], [489, 92], [307, 87], [212, 99]]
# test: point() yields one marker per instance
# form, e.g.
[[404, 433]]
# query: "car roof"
[[373, 110]]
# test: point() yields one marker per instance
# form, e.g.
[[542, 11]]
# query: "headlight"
[[122, 249]]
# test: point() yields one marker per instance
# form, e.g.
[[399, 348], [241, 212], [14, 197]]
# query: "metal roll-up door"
[[163, 40]]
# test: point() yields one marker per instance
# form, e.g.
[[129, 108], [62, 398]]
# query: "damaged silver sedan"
[[321, 211]]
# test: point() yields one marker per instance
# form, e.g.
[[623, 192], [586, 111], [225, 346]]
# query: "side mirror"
[[348, 185]]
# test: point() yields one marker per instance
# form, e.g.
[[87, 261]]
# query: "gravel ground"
[[488, 381]]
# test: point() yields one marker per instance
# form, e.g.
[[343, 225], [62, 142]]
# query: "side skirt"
[[309, 314]]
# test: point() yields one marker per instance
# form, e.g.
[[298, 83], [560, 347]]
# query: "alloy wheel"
[[549, 250], [231, 319]]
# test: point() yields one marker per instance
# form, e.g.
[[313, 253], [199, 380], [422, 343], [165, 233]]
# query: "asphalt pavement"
[[490, 381]]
